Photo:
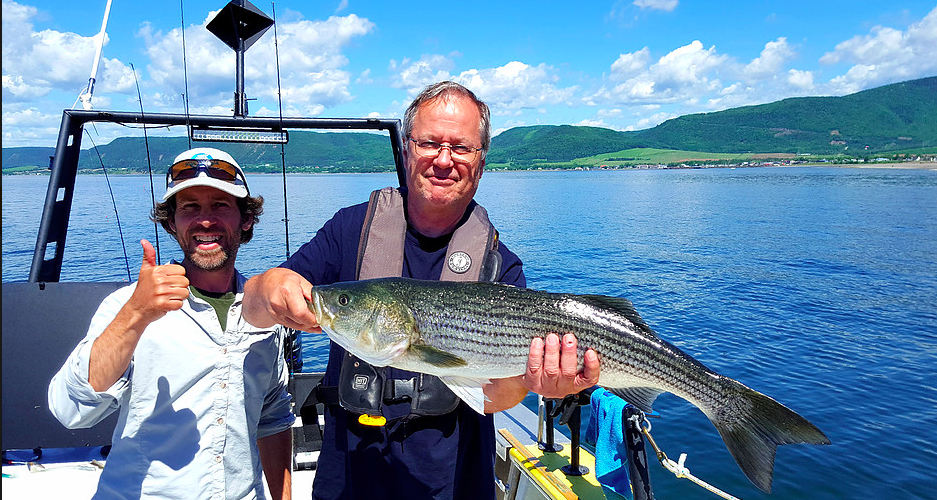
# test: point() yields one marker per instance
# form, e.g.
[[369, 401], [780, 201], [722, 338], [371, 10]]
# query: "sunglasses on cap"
[[189, 169]]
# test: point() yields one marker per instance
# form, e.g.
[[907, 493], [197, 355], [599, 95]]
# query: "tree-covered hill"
[[897, 117], [556, 143], [306, 151]]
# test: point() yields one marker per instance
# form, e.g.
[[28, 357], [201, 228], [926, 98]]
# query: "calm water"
[[816, 286]]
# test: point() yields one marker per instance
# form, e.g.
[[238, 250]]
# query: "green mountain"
[[556, 143], [895, 117], [898, 116], [892, 118], [306, 151]]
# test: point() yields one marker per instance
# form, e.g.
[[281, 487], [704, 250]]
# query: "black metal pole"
[[575, 424], [240, 100], [637, 454], [549, 446]]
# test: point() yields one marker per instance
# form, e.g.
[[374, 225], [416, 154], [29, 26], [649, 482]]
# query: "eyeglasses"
[[189, 169], [459, 152]]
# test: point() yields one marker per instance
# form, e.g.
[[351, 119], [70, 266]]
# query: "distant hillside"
[[556, 143], [897, 117], [312, 151]]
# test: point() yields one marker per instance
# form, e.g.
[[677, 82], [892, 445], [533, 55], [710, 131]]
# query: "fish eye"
[[343, 300]]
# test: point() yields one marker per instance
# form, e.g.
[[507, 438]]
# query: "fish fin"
[[753, 425], [437, 357], [469, 390], [620, 305], [640, 397]]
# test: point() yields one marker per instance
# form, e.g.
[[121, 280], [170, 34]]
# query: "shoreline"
[[911, 165]]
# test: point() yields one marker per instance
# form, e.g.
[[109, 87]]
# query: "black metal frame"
[[55, 214]]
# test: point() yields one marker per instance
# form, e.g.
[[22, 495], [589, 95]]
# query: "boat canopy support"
[[50, 242]]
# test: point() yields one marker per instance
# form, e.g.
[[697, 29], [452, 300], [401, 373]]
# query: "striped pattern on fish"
[[469, 333]]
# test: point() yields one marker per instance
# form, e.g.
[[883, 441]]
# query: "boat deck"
[[524, 471]]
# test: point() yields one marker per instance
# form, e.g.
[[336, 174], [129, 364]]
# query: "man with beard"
[[201, 392]]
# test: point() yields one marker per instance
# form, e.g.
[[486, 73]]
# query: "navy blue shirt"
[[447, 456]]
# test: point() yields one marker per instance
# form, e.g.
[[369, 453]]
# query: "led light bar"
[[269, 136]]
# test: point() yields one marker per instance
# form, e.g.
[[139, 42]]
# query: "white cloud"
[[309, 54], [507, 89], [771, 61], [629, 65], [667, 5], [40, 62], [515, 86], [589, 122], [680, 75], [886, 55], [414, 75], [28, 125], [652, 120], [802, 80]]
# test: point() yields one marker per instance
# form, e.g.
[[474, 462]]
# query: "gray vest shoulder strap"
[[473, 250], [380, 249], [472, 254]]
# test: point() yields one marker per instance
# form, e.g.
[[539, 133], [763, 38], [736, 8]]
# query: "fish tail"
[[754, 425]]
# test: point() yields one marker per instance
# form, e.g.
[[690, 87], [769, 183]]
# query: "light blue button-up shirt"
[[192, 403]]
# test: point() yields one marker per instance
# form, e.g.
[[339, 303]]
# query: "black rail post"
[[637, 454], [575, 424], [548, 445]]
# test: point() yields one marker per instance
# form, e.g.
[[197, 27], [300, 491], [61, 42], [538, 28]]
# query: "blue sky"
[[624, 65]]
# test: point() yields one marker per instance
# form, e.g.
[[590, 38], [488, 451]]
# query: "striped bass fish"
[[470, 333]]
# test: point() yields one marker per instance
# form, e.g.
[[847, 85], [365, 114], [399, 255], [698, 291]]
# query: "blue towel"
[[604, 431]]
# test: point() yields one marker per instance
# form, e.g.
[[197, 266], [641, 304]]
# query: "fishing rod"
[[185, 75], [276, 47], [149, 165]]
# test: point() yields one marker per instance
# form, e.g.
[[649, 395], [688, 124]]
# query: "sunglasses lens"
[[222, 170], [215, 169], [184, 170]]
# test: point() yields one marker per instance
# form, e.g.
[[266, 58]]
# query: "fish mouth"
[[317, 307]]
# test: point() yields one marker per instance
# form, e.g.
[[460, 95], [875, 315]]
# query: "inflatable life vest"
[[472, 255]]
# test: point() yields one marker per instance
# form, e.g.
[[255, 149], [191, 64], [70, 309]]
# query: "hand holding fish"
[[553, 367], [552, 371], [279, 296]]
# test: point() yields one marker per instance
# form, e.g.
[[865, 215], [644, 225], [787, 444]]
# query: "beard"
[[211, 260], [214, 259]]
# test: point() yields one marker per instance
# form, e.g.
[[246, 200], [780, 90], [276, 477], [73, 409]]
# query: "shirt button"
[[218, 459], [224, 350], [222, 384], [220, 420]]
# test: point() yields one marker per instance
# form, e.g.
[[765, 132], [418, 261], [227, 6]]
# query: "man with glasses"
[[390, 433], [201, 392]]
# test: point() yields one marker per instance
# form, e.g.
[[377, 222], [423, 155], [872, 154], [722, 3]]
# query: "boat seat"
[[36, 342]]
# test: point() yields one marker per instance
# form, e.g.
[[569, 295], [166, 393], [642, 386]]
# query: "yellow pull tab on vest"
[[371, 420]]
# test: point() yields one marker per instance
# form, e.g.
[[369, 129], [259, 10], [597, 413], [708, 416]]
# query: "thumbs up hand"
[[160, 289]]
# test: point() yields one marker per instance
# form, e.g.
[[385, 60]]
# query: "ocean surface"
[[816, 286]]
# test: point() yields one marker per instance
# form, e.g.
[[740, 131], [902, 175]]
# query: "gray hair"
[[445, 89]]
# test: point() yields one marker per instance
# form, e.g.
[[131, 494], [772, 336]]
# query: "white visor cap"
[[236, 188]]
